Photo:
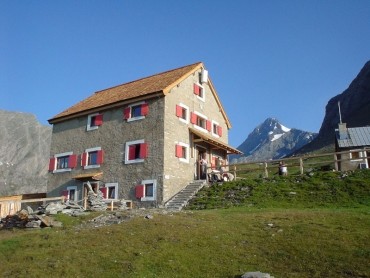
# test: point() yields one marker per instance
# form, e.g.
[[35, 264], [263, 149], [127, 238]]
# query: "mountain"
[[355, 110], [271, 140], [24, 153]]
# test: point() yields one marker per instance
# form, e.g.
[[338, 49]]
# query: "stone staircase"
[[182, 198]]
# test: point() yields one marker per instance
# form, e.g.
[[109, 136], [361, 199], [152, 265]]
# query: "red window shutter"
[[72, 161], [84, 159], [193, 118], [196, 89], [139, 191], [126, 113], [131, 152], [99, 119], [208, 125], [178, 111], [143, 150], [179, 151], [100, 157], [52, 164], [144, 109], [219, 130], [65, 194], [104, 191], [213, 162]]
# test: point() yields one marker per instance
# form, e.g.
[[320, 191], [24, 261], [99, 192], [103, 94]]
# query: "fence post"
[[301, 165], [336, 162], [234, 171], [266, 171]]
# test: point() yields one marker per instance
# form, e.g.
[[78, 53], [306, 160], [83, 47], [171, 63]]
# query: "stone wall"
[[177, 173], [111, 136]]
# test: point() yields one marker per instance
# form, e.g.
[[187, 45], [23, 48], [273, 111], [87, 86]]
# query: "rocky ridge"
[[24, 153], [271, 140]]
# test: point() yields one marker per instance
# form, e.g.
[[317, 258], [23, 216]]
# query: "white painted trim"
[[131, 119], [186, 121], [88, 151], [185, 160], [127, 145], [154, 182], [88, 126], [56, 162]]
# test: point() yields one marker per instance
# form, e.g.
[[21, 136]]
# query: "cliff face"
[[24, 153], [355, 110]]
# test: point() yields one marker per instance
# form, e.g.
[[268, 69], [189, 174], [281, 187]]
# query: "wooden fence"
[[297, 165]]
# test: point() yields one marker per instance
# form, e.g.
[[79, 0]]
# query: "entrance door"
[[201, 170]]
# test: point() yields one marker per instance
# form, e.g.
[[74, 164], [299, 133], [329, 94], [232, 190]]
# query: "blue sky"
[[282, 59]]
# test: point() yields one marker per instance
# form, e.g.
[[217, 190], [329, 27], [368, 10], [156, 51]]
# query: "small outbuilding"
[[353, 145]]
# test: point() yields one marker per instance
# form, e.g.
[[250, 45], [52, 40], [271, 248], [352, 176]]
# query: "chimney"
[[342, 128]]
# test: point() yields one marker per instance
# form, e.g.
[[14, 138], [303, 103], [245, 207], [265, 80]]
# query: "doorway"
[[201, 168]]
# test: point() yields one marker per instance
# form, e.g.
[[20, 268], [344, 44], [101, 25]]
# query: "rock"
[[256, 274], [148, 216], [33, 224]]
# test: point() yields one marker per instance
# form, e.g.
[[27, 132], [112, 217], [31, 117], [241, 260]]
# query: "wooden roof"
[[158, 84]]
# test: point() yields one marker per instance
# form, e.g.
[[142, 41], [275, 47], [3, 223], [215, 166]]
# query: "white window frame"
[[127, 147], [89, 127], [154, 182], [185, 160], [74, 187], [56, 162], [199, 127], [360, 154], [138, 117], [186, 121], [89, 151], [115, 185], [203, 92], [212, 131]]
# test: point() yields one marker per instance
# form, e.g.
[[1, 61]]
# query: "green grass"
[[321, 231]]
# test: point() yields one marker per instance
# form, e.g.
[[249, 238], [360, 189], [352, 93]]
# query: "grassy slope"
[[321, 231]]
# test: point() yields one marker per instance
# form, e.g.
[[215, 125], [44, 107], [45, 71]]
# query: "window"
[[111, 190], [216, 129], [71, 194], [94, 121], [62, 162], [92, 158], [199, 91], [356, 155], [146, 191], [200, 121], [182, 112], [136, 151], [136, 111], [182, 152]]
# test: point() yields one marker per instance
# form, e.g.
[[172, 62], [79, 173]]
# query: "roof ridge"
[[136, 80]]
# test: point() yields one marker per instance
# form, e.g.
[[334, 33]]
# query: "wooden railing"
[[297, 165]]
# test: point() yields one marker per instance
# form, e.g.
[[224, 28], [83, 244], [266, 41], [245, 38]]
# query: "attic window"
[[136, 111], [199, 91], [94, 121]]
